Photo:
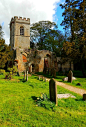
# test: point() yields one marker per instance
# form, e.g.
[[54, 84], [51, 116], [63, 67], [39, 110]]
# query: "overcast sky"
[[36, 10]]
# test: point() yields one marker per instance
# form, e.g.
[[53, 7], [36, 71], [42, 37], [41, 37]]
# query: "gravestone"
[[70, 75], [84, 97], [26, 75], [53, 90], [78, 84], [43, 78], [54, 73], [39, 77]]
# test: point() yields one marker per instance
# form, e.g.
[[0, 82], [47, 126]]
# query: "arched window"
[[21, 30]]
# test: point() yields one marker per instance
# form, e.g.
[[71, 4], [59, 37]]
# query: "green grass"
[[77, 74], [18, 107]]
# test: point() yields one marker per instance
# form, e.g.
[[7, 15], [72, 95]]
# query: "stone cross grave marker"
[[53, 90], [70, 75]]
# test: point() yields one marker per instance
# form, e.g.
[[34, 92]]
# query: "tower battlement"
[[20, 19]]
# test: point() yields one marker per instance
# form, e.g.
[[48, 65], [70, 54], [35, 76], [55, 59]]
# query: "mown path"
[[71, 88]]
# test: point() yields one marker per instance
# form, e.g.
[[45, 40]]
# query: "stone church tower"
[[19, 39]]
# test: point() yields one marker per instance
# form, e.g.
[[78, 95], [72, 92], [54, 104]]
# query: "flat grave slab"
[[65, 96]]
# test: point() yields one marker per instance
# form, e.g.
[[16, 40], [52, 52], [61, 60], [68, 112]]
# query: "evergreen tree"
[[75, 19], [5, 53]]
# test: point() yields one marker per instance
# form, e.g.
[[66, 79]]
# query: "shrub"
[[2, 71], [44, 101], [14, 70], [8, 75]]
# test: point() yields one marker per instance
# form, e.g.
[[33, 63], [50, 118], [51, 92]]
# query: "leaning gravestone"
[[53, 90], [84, 97], [70, 75]]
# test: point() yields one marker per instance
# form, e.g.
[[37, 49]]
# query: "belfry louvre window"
[[21, 30]]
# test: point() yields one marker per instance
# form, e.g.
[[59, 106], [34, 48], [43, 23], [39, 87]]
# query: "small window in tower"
[[21, 30]]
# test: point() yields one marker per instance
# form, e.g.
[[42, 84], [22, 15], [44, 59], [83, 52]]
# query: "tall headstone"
[[53, 90], [26, 75], [70, 75], [84, 97]]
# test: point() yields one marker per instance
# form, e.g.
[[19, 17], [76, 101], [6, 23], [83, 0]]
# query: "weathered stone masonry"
[[38, 59], [19, 38]]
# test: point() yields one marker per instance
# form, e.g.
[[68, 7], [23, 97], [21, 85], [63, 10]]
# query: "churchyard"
[[77, 74], [27, 103]]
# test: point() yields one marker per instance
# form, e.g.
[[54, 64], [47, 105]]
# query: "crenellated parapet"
[[20, 19]]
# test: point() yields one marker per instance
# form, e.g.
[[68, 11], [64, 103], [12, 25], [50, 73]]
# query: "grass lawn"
[[77, 74], [18, 106]]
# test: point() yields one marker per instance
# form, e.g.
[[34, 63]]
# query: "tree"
[[1, 32], [46, 36], [75, 19], [40, 32], [5, 53]]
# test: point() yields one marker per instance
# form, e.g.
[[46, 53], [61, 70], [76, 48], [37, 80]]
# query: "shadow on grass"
[[34, 97], [81, 99], [22, 80]]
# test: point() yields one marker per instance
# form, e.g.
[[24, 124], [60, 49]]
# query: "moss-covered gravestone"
[[70, 75], [53, 90]]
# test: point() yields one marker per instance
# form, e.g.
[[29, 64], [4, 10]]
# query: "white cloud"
[[36, 10]]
